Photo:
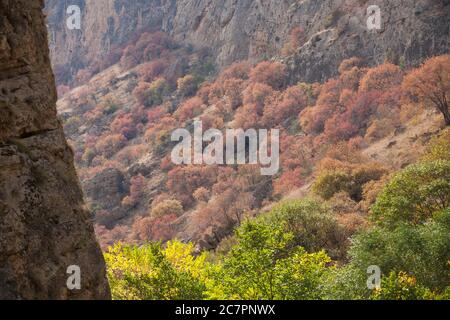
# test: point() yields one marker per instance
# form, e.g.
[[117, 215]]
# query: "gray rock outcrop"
[[44, 225]]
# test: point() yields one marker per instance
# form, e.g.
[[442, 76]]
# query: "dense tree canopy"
[[353, 206]]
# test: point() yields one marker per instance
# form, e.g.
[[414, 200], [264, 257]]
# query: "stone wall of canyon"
[[44, 225], [255, 29]]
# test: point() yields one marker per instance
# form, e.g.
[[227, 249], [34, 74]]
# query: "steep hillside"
[[361, 176], [330, 31], [119, 124], [45, 226], [362, 116]]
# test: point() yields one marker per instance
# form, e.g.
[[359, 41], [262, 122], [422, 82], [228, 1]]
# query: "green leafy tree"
[[167, 207], [414, 194], [422, 251], [346, 283], [401, 286], [412, 224], [331, 182], [150, 272], [265, 264], [312, 225], [439, 147]]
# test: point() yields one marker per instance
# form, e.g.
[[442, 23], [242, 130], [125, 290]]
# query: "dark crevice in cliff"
[[35, 133]]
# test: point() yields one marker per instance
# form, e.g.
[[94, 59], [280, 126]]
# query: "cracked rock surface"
[[257, 29], [44, 225]]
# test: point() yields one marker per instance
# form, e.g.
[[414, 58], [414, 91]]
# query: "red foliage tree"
[[130, 57], [238, 70], [142, 91], [151, 70], [270, 73], [382, 77], [155, 229], [233, 89], [312, 119], [431, 83], [296, 38], [256, 94], [288, 181], [355, 119], [247, 117], [297, 151], [125, 125], [154, 115], [190, 109], [137, 186], [292, 101], [183, 181]]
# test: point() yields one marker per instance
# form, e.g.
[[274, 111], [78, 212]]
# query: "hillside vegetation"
[[364, 179], [297, 250]]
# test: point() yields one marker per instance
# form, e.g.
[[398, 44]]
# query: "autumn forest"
[[364, 177]]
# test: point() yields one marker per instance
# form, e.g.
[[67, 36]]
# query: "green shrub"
[[266, 264], [351, 181], [150, 272], [312, 225], [414, 194], [401, 286], [439, 147], [167, 207], [422, 251], [330, 183]]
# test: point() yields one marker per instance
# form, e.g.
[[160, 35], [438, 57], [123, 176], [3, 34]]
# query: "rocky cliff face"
[[44, 226], [411, 31], [241, 29]]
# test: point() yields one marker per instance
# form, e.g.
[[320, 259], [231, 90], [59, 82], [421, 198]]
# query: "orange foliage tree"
[[296, 38], [108, 145], [293, 100], [151, 70], [349, 64], [190, 109], [431, 83], [382, 77], [270, 73]]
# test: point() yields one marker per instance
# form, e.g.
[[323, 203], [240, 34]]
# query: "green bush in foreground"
[[412, 227], [153, 273], [265, 264]]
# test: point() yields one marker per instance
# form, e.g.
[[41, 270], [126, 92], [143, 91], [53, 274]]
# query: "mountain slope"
[[136, 84], [238, 30]]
